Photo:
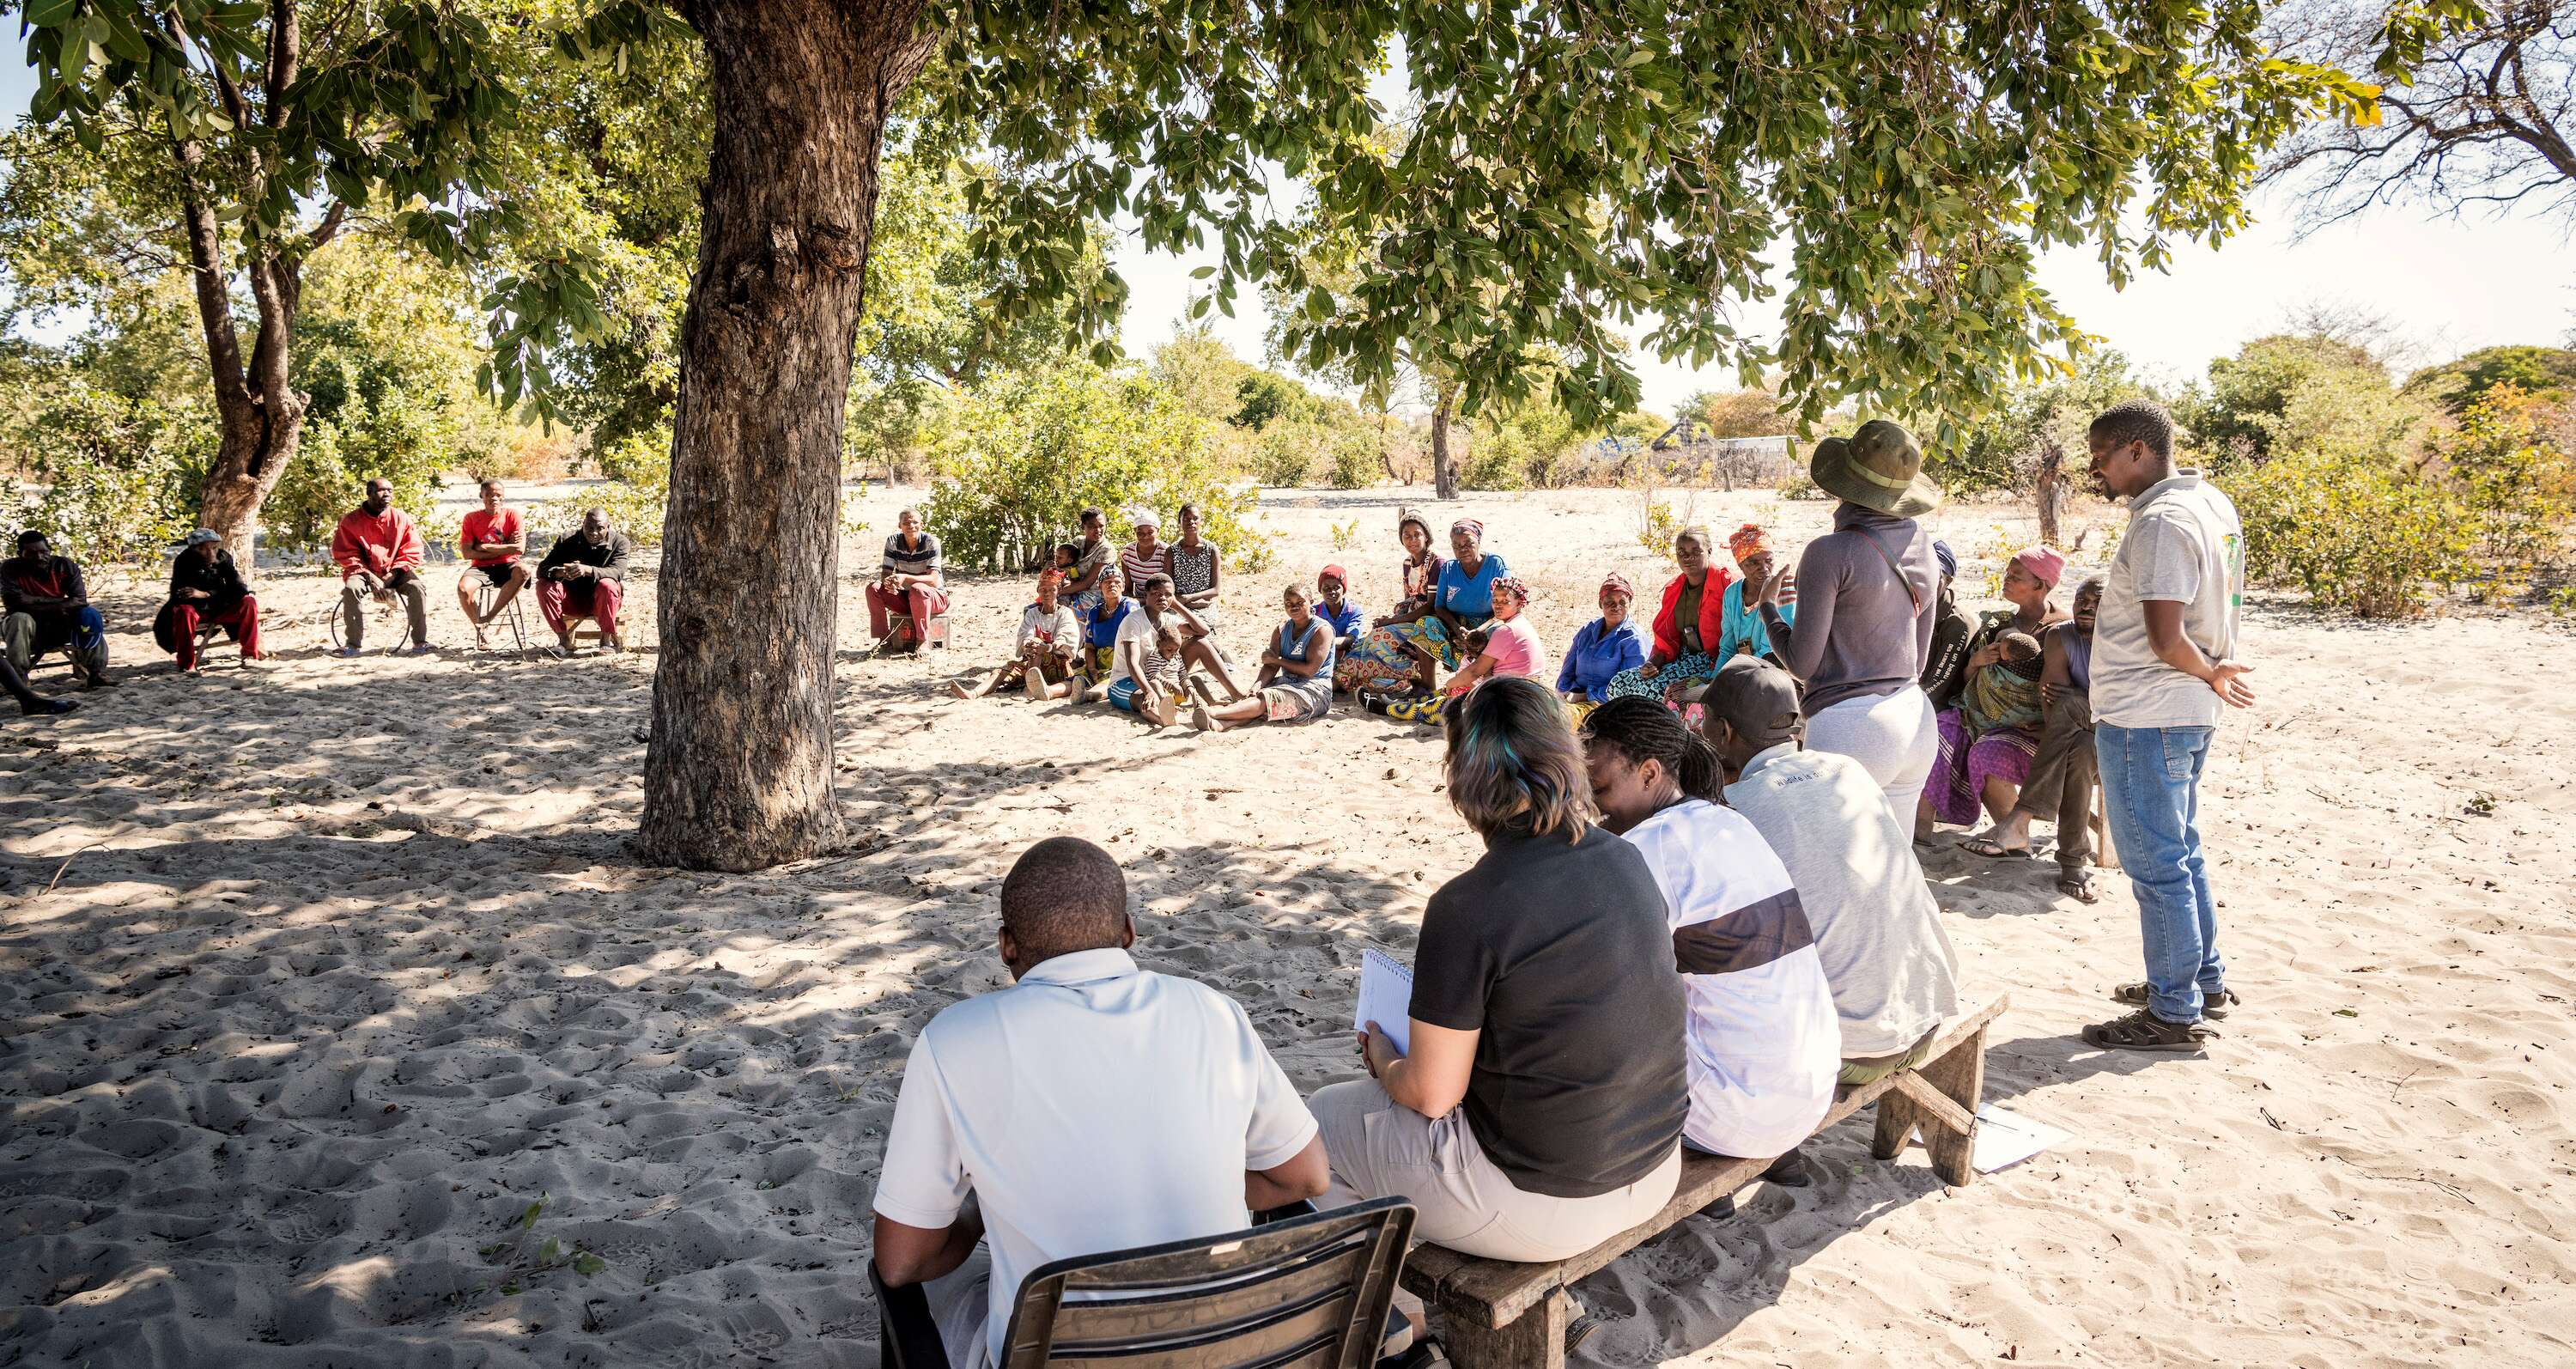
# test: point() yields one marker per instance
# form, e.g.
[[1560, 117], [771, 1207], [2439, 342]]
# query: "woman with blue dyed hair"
[[1536, 1108]]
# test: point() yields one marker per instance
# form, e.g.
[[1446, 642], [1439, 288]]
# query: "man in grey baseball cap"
[[1878, 932]]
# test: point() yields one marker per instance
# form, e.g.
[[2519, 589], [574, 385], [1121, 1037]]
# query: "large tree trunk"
[[739, 771], [1444, 474], [247, 468]]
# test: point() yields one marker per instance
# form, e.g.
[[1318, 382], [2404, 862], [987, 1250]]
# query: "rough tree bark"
[[738, 774], [2051, 486], [1444, 474]]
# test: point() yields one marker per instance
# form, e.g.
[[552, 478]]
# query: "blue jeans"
[[2151, 795]]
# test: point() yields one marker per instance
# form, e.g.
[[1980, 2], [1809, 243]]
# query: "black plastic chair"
[[1308, 1292]]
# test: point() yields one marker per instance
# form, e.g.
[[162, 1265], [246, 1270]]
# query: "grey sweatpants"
[[1379, 1148]]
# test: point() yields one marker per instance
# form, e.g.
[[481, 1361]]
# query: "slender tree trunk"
[[1444, 476], [739, 771], [2051, 487]]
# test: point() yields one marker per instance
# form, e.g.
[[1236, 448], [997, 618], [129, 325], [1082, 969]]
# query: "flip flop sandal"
[[2079, 888], [2212, 1006], [2144, 1031], [1993, 850]]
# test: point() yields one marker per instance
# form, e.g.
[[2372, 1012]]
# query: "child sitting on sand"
[[1153, 692]]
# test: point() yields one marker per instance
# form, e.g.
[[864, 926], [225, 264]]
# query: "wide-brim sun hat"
[[1879, 467]]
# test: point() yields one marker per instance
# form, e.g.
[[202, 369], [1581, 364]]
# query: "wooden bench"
[[1499, 1315]]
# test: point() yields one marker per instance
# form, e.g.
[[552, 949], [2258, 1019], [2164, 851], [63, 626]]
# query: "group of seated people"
[[379, 552], [1676, 937], [1138, 630]]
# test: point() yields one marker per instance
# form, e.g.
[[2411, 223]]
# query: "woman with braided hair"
[[1763, 1043], [1509, 650]]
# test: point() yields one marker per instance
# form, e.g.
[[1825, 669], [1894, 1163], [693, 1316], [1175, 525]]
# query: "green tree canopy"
[[2546, 372], [2249, 393]]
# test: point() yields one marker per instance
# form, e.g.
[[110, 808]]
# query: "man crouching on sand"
[[1091, 1044]]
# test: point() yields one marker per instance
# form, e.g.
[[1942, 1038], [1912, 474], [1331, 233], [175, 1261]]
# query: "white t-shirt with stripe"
[[1764, 1044]]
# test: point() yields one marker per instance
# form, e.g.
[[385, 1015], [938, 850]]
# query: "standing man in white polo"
[[1091, 1106], [2164, 669]]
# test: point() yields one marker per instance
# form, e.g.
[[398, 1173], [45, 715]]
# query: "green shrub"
[[1355, 463], [2509, 467], [1031, 450], [2358, 530], [122, 473], [1283, 453], [634, 508]]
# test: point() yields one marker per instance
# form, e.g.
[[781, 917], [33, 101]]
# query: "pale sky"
[[2450, 285]]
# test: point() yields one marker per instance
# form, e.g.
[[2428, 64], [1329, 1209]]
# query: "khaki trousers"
[[1379, 1148]]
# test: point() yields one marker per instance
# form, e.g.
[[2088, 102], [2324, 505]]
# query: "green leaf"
[[45, 14], [529, 1217]]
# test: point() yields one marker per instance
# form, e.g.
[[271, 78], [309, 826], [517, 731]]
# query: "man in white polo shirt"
[[2164, 668], [1091, 1106]]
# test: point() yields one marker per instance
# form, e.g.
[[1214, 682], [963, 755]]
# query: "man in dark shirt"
[[49, 610], [206, 587], [585, 577]]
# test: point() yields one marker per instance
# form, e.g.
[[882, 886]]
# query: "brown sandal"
[[2144, 1031]]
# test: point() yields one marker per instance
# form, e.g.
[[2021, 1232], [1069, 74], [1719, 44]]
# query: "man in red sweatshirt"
[[379, 552]]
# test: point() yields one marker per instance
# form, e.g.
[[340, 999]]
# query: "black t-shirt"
[[1559, 954]]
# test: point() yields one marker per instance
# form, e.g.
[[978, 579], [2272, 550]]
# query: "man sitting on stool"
[[206, 587], [584, 576], [492, 540], [379, 552], [1090, 1107], [48, 607]]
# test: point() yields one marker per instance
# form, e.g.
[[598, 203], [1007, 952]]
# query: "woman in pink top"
[[1511, 650]]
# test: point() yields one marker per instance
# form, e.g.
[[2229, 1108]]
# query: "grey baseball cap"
[[1756, 698], [202, 536]]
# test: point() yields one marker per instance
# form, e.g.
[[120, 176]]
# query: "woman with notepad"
[[1536, 1109]]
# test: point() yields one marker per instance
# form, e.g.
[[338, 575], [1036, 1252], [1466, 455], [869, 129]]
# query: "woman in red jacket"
[[1687, 628]]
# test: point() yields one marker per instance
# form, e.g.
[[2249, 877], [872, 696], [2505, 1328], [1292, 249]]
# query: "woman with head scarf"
[[1688, 628], [1296, 680], [1509, 649], [1605, 647], [1149, 555], [1991, 733], [1755, 562], [1865, 607], [1401, 649], [1333, 605]]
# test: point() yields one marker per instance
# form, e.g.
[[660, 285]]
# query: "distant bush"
[[635, 508], [122, 473], [2509, 460], [1354, 459], [1031, 450], [1282, 453], [2359, 531]]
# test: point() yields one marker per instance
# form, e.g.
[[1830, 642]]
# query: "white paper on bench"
[[2005, 1138], [1386, 998]]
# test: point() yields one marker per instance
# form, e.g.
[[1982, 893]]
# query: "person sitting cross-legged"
[[584, 576], [49, 610], [1877, 929], [379, 552], [206, 587], [1091, 1106]]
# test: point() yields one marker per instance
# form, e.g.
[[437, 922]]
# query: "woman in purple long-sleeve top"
[[1866, 601]]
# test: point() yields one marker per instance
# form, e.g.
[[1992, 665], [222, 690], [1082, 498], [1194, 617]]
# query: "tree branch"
[[205, 237]]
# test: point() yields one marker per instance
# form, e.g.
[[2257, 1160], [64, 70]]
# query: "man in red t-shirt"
[[492, 541]]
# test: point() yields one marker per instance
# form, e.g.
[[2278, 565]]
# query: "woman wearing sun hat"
[[1866, 596]]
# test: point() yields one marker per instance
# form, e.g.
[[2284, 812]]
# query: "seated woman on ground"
[[1148, 682], [1602, 649], [2059, 787], [1044, 651], [1337, 611], [1096, 660], [1296, 681], [1157, 609], [1743, 633], [1509, 650], [1764, 1043], [1985, 754], [1538, 1108], [1384, 661], [1687, 628]]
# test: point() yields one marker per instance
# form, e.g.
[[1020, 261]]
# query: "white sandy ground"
[[314, 984]]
